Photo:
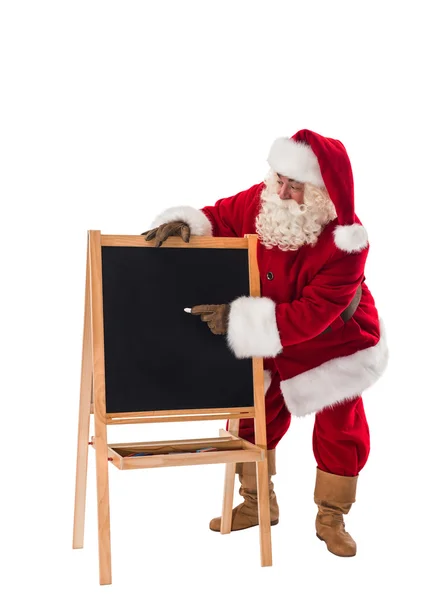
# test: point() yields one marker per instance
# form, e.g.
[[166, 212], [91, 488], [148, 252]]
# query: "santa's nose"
[[284, 192]]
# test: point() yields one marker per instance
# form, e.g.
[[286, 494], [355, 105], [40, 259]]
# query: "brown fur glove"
[[215, 315], [162, 232]]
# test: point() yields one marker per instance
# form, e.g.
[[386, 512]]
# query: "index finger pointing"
[[199, 309]]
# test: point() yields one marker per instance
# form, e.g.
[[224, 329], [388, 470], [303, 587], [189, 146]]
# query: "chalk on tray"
[[139, 454]]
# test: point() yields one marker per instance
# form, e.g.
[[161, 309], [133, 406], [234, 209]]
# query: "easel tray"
[[202, 451]]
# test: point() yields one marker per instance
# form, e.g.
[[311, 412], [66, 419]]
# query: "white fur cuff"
[[198, 222], [350, 238], [253, 329]]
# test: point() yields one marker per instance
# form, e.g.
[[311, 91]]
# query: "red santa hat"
[[311, 158]]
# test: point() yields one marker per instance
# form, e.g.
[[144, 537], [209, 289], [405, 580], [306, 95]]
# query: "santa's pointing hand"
[[215, 315]]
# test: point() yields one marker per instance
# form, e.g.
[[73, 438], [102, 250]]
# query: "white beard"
[[289, 225]]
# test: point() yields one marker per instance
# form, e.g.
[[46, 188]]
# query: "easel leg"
[[81, 471], [264, 513], [99, 407], [262, 467], [229, 486], [83, 423], [103, 498]]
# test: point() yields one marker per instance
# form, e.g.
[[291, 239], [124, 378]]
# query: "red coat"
[[306, 291]]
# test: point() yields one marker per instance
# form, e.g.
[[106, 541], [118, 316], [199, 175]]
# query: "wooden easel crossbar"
[[229, 448]]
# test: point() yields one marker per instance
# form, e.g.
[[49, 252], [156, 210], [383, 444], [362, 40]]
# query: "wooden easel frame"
[[92, 401]]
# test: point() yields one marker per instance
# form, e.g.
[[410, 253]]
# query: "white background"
[[113, 111]]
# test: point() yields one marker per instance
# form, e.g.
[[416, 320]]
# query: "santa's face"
[[292, 214], [290, 189]]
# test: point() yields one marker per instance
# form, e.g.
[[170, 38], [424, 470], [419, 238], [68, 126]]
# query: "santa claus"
[[315, 324]]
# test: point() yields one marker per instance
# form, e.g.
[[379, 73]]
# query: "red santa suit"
[[303, 292]]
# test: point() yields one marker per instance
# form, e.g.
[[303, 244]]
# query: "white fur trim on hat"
[[252, 329], [336, 380], [198, 222], [295, 160], [350, 238]]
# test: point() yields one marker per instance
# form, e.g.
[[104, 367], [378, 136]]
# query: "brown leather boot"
[[245, 515], [334, 495]]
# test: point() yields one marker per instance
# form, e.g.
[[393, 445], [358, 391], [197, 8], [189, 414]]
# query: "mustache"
[[290, 206]]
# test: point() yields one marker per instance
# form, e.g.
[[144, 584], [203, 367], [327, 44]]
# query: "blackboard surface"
[[157, 357]]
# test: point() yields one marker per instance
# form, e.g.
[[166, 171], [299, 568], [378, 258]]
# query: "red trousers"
[[341, 442]]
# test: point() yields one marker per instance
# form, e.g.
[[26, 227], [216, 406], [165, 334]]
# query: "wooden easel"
[[231, 448]]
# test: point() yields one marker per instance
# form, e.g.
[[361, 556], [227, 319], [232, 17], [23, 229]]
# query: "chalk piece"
[[139, 454], [188, 310]]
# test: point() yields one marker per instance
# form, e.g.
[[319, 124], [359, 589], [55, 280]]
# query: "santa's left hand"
[[215, 315]]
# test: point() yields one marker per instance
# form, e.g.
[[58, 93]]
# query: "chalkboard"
[[158, 357]]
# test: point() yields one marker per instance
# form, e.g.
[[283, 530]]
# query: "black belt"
[[349, 311]]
